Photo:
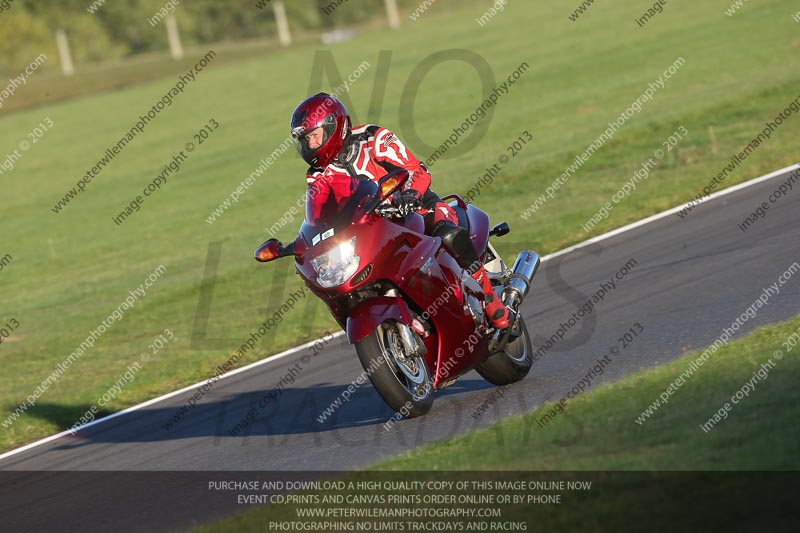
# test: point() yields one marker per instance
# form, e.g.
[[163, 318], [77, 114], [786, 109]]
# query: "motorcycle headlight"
[[335, 266]]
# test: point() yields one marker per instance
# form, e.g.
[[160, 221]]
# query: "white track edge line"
[[296, 349], [165, 396], [657, 216]]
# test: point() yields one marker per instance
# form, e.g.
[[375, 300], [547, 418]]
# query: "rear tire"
[[512, 363], [404, 383]]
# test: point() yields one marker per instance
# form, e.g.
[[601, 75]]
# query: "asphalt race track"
[[692, 277]]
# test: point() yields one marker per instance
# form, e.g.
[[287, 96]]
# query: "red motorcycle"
[[415, 316]]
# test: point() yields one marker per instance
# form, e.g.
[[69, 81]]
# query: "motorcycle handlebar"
[[391, 210]]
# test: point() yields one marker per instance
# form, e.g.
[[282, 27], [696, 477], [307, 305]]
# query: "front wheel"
[[403, 381], [512, 363]]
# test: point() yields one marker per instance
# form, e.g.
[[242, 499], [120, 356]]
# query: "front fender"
[[369, 314]]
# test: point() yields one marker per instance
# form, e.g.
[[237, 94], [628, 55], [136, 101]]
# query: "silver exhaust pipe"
[[521, 278]]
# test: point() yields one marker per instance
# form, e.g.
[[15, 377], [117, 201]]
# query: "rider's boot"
[[497, 312], [456, 239]]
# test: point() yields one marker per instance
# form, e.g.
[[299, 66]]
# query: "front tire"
[[512, 363], [404, 382]]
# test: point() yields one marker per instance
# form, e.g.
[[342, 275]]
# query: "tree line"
[[102, 30]]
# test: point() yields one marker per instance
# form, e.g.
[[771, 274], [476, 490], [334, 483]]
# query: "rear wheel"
[[402, 380], [513, 362]]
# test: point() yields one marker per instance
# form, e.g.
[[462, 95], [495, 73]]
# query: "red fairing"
[[430, 284], [326, 193], [372, 313]]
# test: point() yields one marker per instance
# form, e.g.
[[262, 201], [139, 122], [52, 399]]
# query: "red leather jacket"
[[372, 151]]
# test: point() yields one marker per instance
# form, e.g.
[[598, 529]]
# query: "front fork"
[[411, 341]]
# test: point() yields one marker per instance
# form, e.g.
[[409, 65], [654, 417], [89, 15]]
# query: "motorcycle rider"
[[340, 155]]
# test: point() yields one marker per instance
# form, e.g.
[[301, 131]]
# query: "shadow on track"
[[295, 411]]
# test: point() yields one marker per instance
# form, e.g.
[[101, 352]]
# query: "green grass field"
[[71, 270], [602, 432], [599, 433]]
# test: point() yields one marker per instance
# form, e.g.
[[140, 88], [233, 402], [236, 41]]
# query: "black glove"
[[408, 202]]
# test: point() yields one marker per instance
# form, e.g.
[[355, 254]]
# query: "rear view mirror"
[[391, 182], [387, 186], [273, 249], [500, 230], [268, 251]]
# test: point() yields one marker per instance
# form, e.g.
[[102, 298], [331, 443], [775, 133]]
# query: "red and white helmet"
[[320, 111]]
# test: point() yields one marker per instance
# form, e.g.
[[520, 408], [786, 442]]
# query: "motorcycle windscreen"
[[333, 207]]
